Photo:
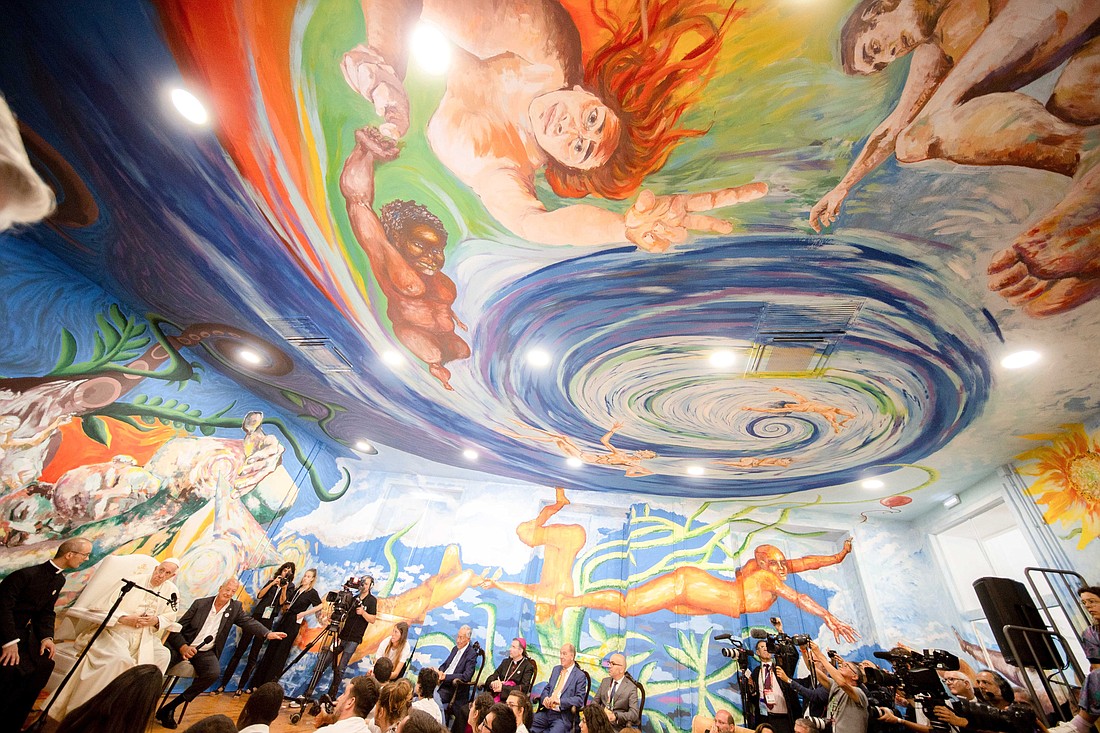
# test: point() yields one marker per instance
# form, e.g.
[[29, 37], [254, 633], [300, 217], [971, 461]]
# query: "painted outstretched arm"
[[816, 562], [840, 629], [926, 70]]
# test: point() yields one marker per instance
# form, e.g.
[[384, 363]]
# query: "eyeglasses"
[[81, 554], [484, 727], [615, 664]]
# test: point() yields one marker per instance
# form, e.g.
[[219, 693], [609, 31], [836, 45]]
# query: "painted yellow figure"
[[836, 417], [693, 592], [756, 462], [630, 460], [561, 544]]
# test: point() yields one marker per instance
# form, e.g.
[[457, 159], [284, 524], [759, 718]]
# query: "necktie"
[[560, 683], [614, 686], [767, 676]]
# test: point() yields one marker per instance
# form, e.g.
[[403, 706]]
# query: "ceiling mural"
[[669, 247]]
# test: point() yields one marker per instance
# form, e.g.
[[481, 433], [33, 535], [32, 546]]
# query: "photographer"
[[814, 697], [778, 703], [363, 610], [847, 706]]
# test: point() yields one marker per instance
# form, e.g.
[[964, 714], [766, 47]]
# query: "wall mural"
[[1067, 481]]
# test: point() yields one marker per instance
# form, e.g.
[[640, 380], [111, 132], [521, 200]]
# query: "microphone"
[[209, 638], [758, 634], [723, 636], [174, 602]]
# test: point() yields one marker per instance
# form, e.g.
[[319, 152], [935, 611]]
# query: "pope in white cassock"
[[132, 635]]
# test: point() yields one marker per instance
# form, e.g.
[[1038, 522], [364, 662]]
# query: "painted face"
[[772, 560], [1091, 602], [422, 248], [892, 34], [515, 651], [164, 571], [574, 127]]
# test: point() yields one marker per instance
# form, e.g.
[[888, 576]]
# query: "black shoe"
[[166, 718]]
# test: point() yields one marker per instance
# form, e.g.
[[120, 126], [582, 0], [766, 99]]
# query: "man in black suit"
[[27, 597], [206, 627], [778, 702], [618, 696], [457, 669]]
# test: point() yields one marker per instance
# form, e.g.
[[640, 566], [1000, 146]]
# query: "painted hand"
[[367, 73], [825, 211], [655, 223]]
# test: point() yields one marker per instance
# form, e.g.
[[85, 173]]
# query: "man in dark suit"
[[618, 696], [457, 670], [566, 691], [206, 627], [27, 597], [778, 703]]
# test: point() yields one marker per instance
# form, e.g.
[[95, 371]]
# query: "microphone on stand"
[[127, 585], [174, 602]]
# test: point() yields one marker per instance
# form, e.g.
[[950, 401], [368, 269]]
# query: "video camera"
[[915, 674], [344, 601], [780, 644], [736, 650]]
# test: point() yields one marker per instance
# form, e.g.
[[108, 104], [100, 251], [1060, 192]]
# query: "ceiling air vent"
[[303, 334], [798, 338]]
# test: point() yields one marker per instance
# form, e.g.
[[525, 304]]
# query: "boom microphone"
[[722, 637], [758, 634]]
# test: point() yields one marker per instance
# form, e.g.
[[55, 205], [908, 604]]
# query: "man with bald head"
[[131, 635], [27, 598], [566, 692], [206, 627], [618, 695]]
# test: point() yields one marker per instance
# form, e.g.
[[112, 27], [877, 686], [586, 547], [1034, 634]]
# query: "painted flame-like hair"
[[647, 78]]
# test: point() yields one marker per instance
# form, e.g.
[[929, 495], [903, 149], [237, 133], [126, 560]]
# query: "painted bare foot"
[[443, 374], [559, 496], [1055, 266]]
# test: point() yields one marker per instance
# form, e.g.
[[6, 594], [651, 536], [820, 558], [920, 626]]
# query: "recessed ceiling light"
[[364, 446], [538, 358], [1021, 359], [574, 462], [696, 470], [393, 358], [470, 454], [723, 359], [431, 49], [951, 501], [872, 483], [249, 356], [188, 105]]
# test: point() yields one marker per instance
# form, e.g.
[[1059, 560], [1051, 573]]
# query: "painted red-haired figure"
[[518, 99]]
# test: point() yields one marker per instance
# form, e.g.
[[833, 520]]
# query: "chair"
[[575, 710], [463, 692], [178, 671], [641, 697]]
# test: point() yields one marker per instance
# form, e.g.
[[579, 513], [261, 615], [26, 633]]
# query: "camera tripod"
[[329, 641]]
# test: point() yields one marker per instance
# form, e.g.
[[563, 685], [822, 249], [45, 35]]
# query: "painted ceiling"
[[635, 202]]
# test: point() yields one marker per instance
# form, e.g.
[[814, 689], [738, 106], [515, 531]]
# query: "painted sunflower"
[[1067, 471]]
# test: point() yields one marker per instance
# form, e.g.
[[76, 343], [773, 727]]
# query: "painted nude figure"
[[756, 462], [561, 544], [836, 417], [961, 103], [630, 460], [693, 592], [405, 247], [518, 100]]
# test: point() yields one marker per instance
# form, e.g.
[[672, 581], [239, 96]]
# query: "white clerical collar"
[[56, 569]]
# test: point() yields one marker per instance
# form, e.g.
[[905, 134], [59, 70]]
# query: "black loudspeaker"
[[1006, 602]]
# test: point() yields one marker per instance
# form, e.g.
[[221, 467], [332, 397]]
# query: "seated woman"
[[516, 671], [395, 647]]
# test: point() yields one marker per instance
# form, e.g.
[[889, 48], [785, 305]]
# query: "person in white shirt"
[[261, 709], [396, 648], [426, 681], [353, 706]]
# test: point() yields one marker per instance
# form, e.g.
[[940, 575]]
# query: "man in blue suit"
[[566, 691], [456, 671]]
